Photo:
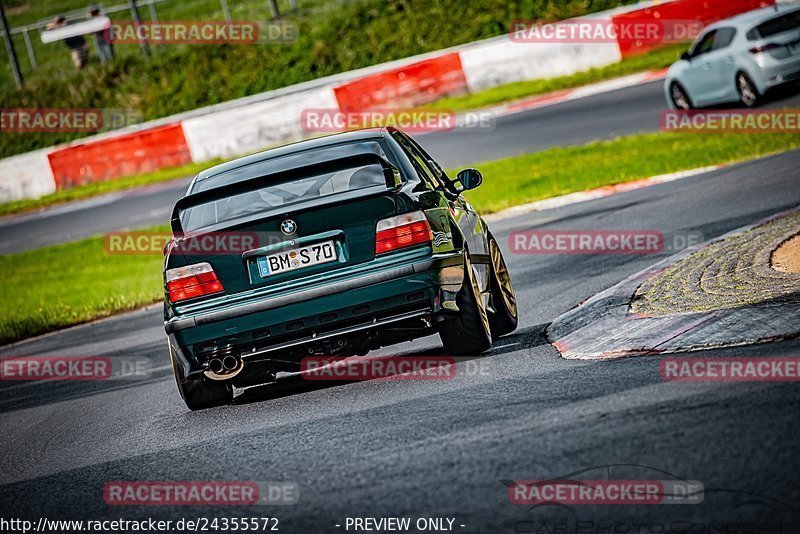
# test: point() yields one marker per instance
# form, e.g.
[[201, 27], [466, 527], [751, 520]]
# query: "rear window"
[[784, 23], [279, 195]]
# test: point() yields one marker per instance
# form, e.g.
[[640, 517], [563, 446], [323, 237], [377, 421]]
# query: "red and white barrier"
[[254, 123], [124, 155], [411, 85], [503, 62], [26, 176], [233, 132], [706, 11]]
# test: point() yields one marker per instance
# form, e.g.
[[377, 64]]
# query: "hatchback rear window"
[[279, 195], [784, 23]]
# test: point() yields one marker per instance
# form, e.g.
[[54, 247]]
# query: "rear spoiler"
[[393, 181]]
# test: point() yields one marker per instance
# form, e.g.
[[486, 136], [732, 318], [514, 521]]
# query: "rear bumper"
[[773, 73], [781, 76], [372, 300]]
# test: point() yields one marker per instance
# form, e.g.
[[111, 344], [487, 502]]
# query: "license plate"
[[297, 258]]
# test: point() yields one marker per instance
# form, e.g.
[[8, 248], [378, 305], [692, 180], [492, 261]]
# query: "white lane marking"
[[506, 346]]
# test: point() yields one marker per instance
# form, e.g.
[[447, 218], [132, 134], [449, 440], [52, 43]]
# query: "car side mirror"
[[470, 178], [686, 56]]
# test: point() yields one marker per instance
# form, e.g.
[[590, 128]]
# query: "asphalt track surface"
[[441, 448], [605, 116]]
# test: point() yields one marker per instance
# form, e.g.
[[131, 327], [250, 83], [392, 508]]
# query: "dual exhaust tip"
[[224, 368]]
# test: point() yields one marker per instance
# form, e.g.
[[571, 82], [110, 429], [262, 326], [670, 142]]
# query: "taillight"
[[764, 48], [192, 281], [402, 231]]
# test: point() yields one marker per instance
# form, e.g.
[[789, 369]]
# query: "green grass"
[[657, 59], [334, 36], [62, 285], [99, 188], [67, 284], [558, 171], [53, 58]]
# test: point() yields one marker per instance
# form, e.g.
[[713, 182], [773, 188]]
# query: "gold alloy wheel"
[[479, 300], [503, 278]]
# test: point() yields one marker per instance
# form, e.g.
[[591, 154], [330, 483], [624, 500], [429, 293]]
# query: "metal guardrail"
[[80, 14]]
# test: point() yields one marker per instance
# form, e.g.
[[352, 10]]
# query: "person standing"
[[102, 39], [79, 49]]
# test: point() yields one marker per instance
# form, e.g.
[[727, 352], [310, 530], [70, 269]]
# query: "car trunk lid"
[[292, 225]]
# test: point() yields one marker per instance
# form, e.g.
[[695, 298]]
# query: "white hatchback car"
[[738, 59]]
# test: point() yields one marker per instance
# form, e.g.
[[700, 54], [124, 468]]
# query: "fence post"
[[225, 10], [137, 21], [273, 6], [29, 46], [12, 54], [152, 8]]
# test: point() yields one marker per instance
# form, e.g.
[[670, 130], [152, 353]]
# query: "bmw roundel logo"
[[288, 227]]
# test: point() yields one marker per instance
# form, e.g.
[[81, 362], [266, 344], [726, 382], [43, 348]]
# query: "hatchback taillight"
[[775, 50], [402, 231], [764, 48], [192, 281]]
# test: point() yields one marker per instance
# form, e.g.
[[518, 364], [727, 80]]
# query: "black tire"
[[469, 333], [200, 393], [503, 318], [748, 92], [680, 97]]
